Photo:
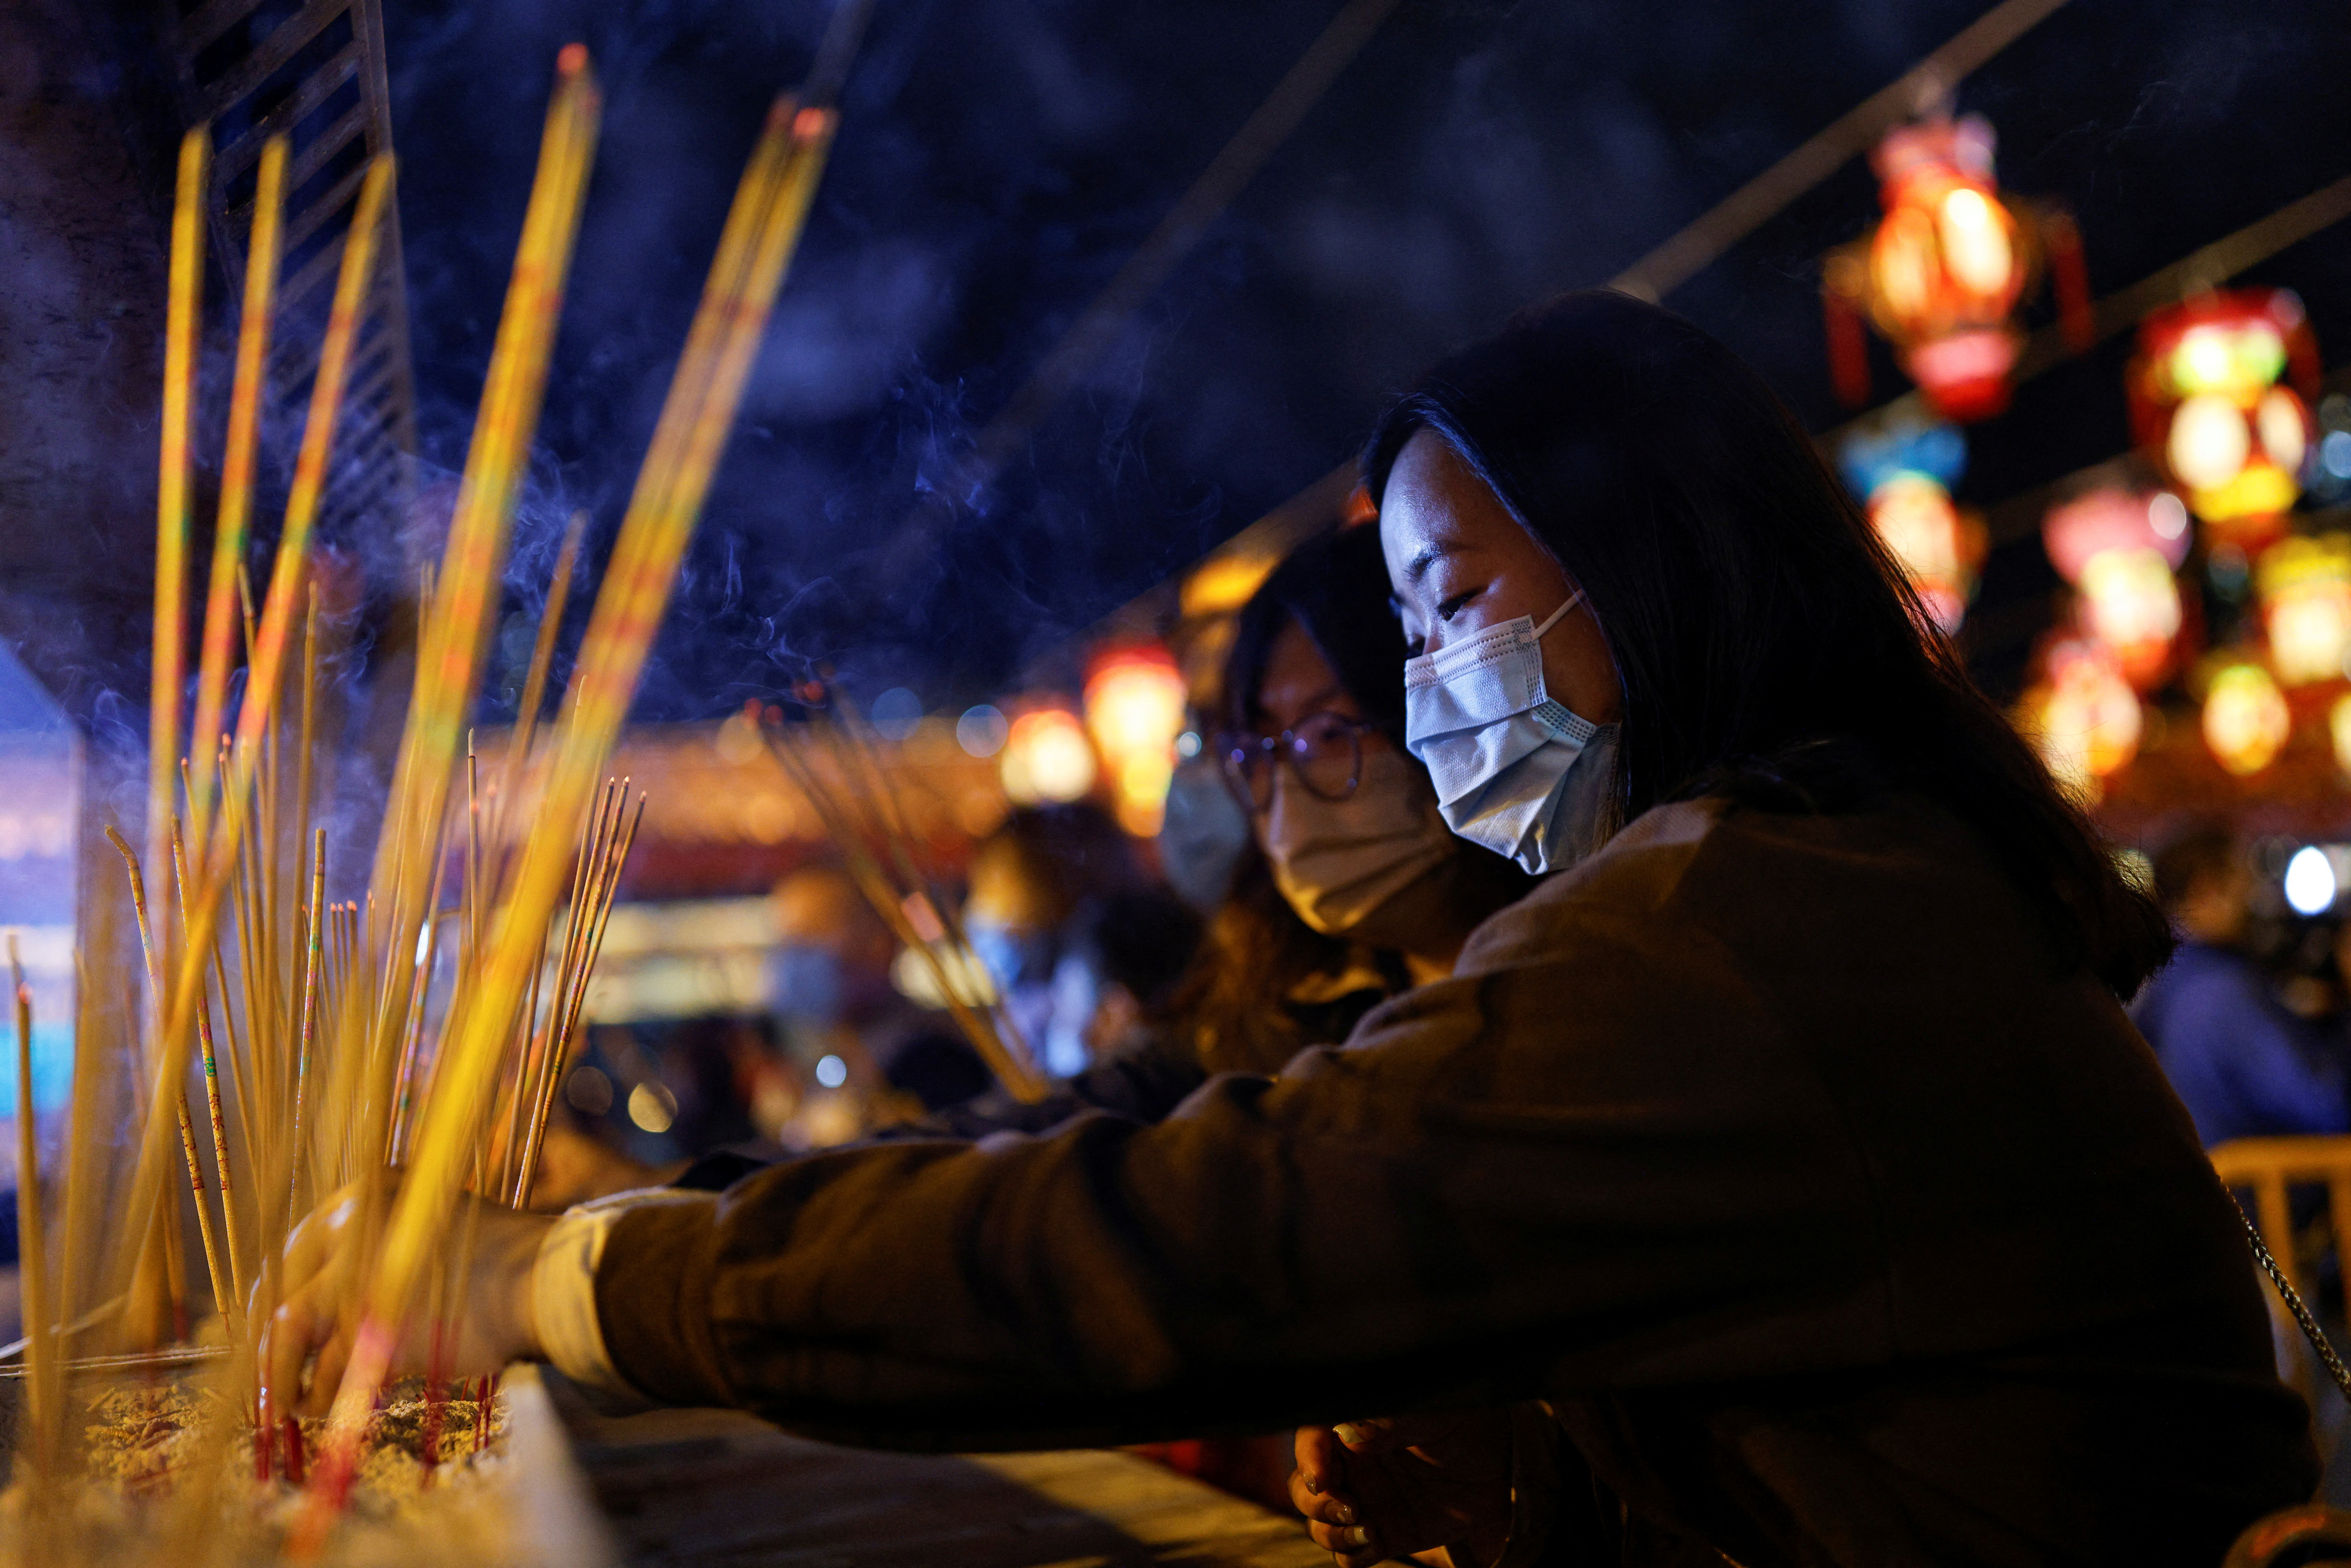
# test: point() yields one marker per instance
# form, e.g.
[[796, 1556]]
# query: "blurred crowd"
[[2252, 1018]]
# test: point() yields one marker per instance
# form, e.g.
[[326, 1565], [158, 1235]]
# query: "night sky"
[[999, 160]]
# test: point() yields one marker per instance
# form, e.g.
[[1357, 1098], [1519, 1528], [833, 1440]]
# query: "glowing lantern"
[[1939, 546], [2207, 406], [1134, 708], [1945, 269], [2120, 549], [1047, 757], [2246, 721], [2306, 593], [2085, 719], [1903, 469]]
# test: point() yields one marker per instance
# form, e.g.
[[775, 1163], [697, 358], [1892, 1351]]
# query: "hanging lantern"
[[2304, 586], [1903, 467], [2120, 549], [1134, 710], [2083, 718], [2208, 406], [2246, 721], [1939, 547], [1945, 269]]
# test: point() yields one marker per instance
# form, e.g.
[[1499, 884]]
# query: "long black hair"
[[1334, 587], [1762, 634]]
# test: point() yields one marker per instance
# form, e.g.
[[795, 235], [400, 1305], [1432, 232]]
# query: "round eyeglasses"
[[1324, 751]]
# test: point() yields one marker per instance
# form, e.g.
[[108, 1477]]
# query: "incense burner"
[[164, 1470]]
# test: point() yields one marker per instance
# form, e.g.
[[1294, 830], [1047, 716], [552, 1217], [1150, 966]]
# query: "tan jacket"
[[1837, 1225]]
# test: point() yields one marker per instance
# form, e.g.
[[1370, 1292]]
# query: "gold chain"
[[2292, 1299]]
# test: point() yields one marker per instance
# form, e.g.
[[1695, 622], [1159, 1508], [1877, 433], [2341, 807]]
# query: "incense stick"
[[261, 258], [183, 321], [222, 1297], [755, 248], [32, 1243]]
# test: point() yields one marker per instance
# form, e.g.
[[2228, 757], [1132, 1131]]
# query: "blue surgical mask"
[[806, 985], [1203, 834], [1513, 771]]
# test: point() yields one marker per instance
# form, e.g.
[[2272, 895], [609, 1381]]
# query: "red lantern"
[[2118, 549], [2208, 405], [1945, 270]]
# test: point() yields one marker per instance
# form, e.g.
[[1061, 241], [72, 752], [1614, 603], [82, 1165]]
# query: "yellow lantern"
[[2210, 406], [2131, 604], [2304, 586], [2246, 721], [2083, 720]]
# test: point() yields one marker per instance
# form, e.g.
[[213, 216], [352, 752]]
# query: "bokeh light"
[[2304, 586], [1047, 758], [2310, 885], [2246, 721], [983, 731], [1134, 708]]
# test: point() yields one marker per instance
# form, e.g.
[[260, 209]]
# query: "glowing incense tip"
[[810, 123], [571, 59]]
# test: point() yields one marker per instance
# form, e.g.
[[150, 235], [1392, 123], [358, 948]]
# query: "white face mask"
[[1514, 771], [1338, 861]]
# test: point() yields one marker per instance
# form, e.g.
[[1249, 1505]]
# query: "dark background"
[[999, 160]]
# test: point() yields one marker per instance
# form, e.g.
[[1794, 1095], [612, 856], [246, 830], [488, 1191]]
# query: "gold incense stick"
[[32, 1240], [183, 321], [261, 258], [761, 231]]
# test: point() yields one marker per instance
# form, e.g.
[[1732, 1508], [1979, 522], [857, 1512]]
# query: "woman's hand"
[[1375, 1489], [319, 1307]]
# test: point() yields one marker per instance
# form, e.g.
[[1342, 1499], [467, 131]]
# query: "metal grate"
[[314, 69]]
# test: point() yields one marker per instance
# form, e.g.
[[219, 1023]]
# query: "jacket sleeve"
[[1489, 1186]]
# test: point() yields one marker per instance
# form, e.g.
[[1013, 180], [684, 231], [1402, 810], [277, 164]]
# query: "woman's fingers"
[[1355, 1546], [1320, 1507], [285, 1340], [311, 1274], [1321, 1461], [327, 1371]]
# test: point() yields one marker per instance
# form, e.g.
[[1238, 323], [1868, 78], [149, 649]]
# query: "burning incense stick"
[[455, 633], [216, 871], [261, 258], [762, 230], [183, 320], [853, 833]]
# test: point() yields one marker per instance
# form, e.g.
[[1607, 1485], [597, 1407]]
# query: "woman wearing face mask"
[[1352, 888], [1783, 1163]]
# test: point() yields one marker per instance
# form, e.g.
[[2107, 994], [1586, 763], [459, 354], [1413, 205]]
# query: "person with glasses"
[[1354, 890], [1780, 1182], [1351, 889]]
